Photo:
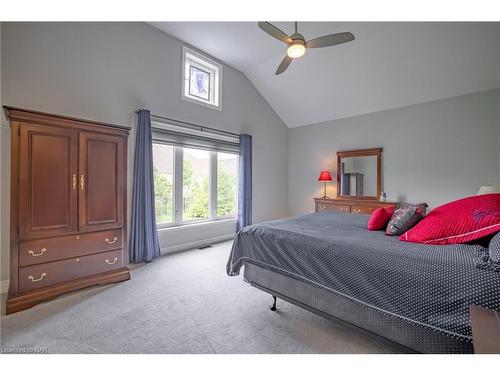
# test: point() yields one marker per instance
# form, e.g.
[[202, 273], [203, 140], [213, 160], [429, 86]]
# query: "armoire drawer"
[[58, 248], [52, 273]]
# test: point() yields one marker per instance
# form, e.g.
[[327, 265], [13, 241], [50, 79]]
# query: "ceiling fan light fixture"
[[296, 49]]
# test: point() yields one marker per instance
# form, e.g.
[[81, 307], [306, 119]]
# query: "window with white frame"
[[201, 79], [195, 180]]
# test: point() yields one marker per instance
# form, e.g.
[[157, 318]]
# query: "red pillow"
[[380, 217], [460, 221]]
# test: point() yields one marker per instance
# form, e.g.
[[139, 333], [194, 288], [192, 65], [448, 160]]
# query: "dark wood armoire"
[[68, 206]]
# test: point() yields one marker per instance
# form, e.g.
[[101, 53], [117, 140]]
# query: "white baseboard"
[[195, 244], [4, 286]]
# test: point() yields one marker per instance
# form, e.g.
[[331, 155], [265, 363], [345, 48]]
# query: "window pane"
[[227, 181], [199, 82], [195, 184], [163, 172]]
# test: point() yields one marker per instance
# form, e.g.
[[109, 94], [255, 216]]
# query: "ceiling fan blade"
[[275, 32], [284, 64], [330, 40]]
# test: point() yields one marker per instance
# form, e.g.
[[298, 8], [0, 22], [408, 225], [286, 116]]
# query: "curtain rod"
[[200, 127]]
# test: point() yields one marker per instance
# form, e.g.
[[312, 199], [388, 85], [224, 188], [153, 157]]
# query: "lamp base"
[[324, 194]]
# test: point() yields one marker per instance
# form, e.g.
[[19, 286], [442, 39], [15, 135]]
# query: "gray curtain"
[[245, 182], [144, 245]]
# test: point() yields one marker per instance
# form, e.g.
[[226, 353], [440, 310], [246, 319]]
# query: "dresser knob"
[[32, 253], [111, 262], [31, 277]]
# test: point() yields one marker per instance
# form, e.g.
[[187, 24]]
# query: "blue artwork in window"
[[199, 83]]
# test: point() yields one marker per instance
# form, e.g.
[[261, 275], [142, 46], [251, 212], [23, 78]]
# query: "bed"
[[416, 296]]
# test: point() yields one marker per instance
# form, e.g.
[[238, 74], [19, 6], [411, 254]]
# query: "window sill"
[[197, 224], [190, 99]]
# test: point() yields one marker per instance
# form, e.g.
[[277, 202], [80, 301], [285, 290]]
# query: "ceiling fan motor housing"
[[297, 36]]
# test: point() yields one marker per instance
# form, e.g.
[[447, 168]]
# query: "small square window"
[[201, 79]]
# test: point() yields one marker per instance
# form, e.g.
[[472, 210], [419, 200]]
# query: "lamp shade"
[[325, 176], [489, 189]]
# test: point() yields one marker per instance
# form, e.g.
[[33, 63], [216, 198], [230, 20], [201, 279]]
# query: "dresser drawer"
[[366, 210], [332, 207], [57, 248], [47, 274]]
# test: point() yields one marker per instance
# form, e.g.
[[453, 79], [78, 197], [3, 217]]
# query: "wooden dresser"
[[68, 206], [361, 206]]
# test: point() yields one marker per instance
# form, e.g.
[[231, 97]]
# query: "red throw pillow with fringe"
[[460, 221], [380, 217]]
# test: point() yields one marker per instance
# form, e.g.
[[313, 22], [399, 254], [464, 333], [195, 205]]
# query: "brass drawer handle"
[[356, 210], [344, 209], [74, 182], [111, 241], [39, 279], [111, 262], [82, 182], [32, 253]]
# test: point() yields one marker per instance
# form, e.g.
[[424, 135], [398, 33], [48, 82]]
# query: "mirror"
[[359, 174]]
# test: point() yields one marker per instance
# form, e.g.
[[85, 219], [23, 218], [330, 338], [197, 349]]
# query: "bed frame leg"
[[273, 307]]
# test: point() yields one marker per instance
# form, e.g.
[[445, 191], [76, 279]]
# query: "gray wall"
[[105, 71], [433, 152]]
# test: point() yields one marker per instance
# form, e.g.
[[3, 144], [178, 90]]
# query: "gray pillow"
[[423, 206], [403, 219], [494, 248]]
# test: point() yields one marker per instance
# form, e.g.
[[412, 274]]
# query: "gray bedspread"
[[427, 285]]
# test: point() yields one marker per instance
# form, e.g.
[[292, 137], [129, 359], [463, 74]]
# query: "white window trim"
[[212, 185], [216, 82], [178, 188], [177, 220]]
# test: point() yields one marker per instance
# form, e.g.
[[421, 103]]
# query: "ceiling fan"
[[297, 44]]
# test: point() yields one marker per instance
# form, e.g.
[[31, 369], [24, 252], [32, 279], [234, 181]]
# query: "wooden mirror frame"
[[354, 153]]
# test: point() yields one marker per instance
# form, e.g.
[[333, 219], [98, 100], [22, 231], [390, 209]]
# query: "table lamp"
[[488, 189], [325, 177]]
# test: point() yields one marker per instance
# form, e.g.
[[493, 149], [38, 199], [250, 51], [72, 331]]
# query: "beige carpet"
[[181, 303]]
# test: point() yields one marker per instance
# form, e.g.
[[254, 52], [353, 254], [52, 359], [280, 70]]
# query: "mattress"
[[427, 285]]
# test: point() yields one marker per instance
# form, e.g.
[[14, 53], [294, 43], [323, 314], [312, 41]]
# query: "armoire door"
[[48, 168], [101, 181]]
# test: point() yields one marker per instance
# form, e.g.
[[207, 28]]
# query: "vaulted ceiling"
[[388, 65]]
